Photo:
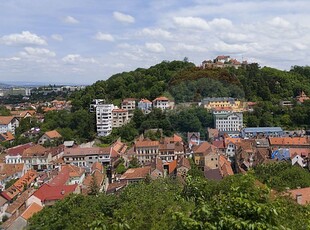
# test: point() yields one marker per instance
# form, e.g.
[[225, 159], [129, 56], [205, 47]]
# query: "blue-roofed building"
[[281, 154], [262, 131]]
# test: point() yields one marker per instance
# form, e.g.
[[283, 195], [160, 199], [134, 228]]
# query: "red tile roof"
[[161, 99], [18, 150], [50, 193], [36, 150], [62, 177], [289, 141], [143, 100], [147, 143], [86, 151], [97, 166], [5, 120], [8, 136], [219, 144], [225, 166], [205, 147], [53, 134], [31, 210], [136, 173], [26, 179], [303, 193], [172, 166]]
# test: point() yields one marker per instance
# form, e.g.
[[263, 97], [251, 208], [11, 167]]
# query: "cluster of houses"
[[109, 116], [223, 61], [33, 176], [8, 124]]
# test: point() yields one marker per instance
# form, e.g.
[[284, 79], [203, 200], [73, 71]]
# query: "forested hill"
[[184, 82]]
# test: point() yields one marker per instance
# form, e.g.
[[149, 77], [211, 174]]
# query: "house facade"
[[85, 157], [37, 157], [146, 150], [129, 104], [145, 105], [228, 122], [218, 102], [162, 103], [120, 117], [49, 136], [8, 124]]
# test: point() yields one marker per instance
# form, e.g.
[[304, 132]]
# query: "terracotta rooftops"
[[161, 99], [18, 150], [301, 195], [205, 147], [136, 173], [147, 143], [32, 209], [87, 151], [143, 100], [49, 193], [10, 169], [289, 141], [5, 120], [8, 136], [27, 179], [36, 150], [53, 134]]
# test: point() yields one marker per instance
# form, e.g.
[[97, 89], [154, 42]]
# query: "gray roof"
[[263, 129], [226, 115]]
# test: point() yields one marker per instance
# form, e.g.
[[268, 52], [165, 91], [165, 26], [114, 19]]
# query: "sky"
[[79, 41]]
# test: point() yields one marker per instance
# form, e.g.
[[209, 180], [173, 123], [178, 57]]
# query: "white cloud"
[[221, 23], [76, 58], [24, 38], [70, 20], [38, 52], [191, 48], [191, 22], [123, 17], [280, 23], [230, 48], [160, 33], [10, 59], [234, 37], [155, 47], [57, 37], [104, 37]]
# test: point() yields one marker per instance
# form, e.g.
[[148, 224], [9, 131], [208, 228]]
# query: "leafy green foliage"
[[282, 175], [134, 163], [4, 111], [78, 125], [236, 202]]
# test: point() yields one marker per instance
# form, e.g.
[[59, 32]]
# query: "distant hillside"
[[185, 82]]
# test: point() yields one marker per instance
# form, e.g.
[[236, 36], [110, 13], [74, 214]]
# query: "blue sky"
[[78, 41]]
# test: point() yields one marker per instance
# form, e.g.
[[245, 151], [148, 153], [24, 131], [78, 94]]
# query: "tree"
[[134, 163], [93, 187]]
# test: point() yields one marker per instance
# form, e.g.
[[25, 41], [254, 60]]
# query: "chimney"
[[62, 192], [299, 198]]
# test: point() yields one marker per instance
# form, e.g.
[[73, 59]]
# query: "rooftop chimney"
[[299, 198]]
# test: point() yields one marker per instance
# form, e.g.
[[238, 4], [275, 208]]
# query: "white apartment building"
[[104, 120], [93, 105], [120, 117], [228, 121]]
